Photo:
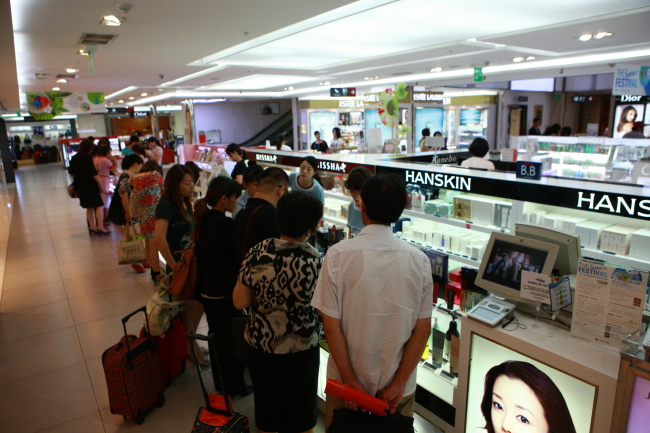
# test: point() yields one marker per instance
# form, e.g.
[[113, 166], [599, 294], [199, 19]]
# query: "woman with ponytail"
[[217, 273]]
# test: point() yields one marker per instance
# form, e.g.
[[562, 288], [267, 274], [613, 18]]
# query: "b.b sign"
[[529, 170]]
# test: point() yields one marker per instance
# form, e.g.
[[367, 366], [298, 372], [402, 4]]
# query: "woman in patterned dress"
[[147, 189], [277, 279]]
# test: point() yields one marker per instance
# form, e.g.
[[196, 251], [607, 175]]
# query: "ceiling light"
[[376, 78], [144, 94], [601, 35], [71, 70], [119, 92], [120, 101], [111, 20], [83, 53], [61, 80], [518, 59], [585, 38], [530, 58], [55, 89], [131, 97], [326, 83], [160, 90], [290, 87], [366, 78], [436, 70]]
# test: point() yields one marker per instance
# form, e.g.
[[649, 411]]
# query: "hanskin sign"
[[631, 80]]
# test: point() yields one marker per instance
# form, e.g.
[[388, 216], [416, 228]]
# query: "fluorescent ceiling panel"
[[393, 28], [534, 85], [260, 81]]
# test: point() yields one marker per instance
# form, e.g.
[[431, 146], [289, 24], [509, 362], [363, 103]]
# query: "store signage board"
[[351, 104], [116, 110], [428, 97], [478, 74], [529, 170], [624, 99], [340, 167], [629, 206], [342, 92], [631, 80]]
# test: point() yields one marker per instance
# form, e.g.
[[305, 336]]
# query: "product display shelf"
[[337, 195], [465, 260], [454, 222], [616, 258], [338, 222]]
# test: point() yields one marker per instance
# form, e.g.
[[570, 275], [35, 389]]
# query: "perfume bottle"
[[437, 344]]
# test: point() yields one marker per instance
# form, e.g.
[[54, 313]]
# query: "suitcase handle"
[[126, 319], [210, 340]]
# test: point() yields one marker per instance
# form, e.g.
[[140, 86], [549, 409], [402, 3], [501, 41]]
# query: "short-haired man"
[[375, 293], [128, 148], [258, 220], [534, 130]]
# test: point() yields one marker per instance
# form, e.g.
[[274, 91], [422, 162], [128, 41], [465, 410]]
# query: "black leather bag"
[[349, 421]]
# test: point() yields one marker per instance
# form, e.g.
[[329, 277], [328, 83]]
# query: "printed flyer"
[[608, 302]]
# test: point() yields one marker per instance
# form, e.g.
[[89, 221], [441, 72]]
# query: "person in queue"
[[134, 139], [354, 183], [88, 186], [258, 220], [337, 143], [131, 165], [174, 224], [147, 190], [318, 144], [155, 152], [277, 280], [376, 349], [238, 156], [479, 148], [217, 276], [308, 180], [251, 176], [105, 168]]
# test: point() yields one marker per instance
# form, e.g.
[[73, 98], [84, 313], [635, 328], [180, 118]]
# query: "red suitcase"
[[171, 348], [133, 375]]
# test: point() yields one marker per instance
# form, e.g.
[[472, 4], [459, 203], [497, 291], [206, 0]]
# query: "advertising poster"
[[639, 417], [432, 118], [631, 80], [531, 397], [608, 302], [625, 116], [47, 105]]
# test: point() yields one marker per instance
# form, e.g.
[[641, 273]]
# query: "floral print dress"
[[147, 189]]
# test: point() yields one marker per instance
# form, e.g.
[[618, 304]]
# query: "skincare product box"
[[640, 244], [483, 212], [462, 208], [439, 264], [536, 216], [502, 213], [590, 233]]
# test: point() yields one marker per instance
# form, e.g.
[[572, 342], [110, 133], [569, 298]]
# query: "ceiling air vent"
[[66, 76], [397, 74], [95, 39], [41, 76]]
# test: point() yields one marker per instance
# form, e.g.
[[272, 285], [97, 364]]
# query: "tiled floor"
[[62, 295]]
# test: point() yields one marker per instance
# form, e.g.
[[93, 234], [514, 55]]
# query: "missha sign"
[[266, 158], [332, 166], [440, 180]]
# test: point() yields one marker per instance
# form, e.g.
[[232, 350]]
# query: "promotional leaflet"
[[534, 286], [631, 80], [608, 302]]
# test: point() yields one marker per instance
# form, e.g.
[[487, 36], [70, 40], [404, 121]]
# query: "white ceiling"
[[339, 41]]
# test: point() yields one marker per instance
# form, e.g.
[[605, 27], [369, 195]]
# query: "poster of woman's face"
[[624, 118], [510, 392]]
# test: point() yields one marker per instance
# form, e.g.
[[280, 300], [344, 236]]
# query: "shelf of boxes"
[[454, 222], [460, 258]]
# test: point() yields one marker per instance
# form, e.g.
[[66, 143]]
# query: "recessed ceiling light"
[[290, 87], [120, 101], [518, 59], [326, 83], [61, 80], [160, 90], [585, 38], [83, 53], [436, 70], [111, 20], [601, 35], [56, 89], [70, 70], [366, 78], [131, 97], [144, 94], [530, 58]]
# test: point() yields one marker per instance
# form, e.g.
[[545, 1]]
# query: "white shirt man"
[[376, 294]]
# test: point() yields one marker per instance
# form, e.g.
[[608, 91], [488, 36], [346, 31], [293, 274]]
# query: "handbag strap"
[[242, 253]]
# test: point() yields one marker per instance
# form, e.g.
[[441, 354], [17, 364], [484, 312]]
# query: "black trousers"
[[219, 313]]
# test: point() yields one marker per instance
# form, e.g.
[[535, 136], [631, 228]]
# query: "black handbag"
[[349, 421]]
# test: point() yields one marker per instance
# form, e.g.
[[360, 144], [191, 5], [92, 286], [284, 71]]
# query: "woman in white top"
[[308, 181], [337, 142], [279, 143], [479, 148]]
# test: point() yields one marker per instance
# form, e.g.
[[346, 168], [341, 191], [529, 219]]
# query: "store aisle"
[[62, 298]]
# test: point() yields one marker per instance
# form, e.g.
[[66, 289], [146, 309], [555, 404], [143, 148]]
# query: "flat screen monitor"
[[505, 258], [470, 116], [534, 85], [510, 391], [569, 247]]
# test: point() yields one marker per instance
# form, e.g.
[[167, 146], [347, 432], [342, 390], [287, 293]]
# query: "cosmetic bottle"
[[437, 344]]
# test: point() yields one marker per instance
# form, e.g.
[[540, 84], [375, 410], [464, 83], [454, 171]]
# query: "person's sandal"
[[138, 269], [156, 277]]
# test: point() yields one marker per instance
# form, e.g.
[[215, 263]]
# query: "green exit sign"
[[478, 74]]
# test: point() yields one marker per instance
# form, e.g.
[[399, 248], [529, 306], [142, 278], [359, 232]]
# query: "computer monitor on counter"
[[569, 247], [505, 258]]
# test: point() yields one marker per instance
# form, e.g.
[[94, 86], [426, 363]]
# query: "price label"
[[529, 170]]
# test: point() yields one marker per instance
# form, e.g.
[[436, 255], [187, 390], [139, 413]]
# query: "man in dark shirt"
[[260, 210], [534, 130]]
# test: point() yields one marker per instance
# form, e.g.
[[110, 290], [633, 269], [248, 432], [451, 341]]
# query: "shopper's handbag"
[[72, 192], [183, 279], [161, 309], [132, 249], [349, 421]]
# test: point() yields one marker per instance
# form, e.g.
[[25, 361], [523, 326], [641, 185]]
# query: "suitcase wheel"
[[111, 409], [161, 400], [139, 417]]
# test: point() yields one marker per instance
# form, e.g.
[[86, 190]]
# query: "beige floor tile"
[[67, 225], [28, 239], [32, 296], [46, 400], [95, 337], [97, 249], [19, 229], [35, 321], [29, 356], [16, 251], [109, 304], [30, 263], [98, 380], [69, 244], [40, 275], [95, 284], [97, 265], [86, 424]]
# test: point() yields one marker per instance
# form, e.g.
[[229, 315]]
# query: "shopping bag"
[[161, 309], [131, 250]]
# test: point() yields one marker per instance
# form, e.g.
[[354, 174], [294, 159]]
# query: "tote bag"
[[131, 250]]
